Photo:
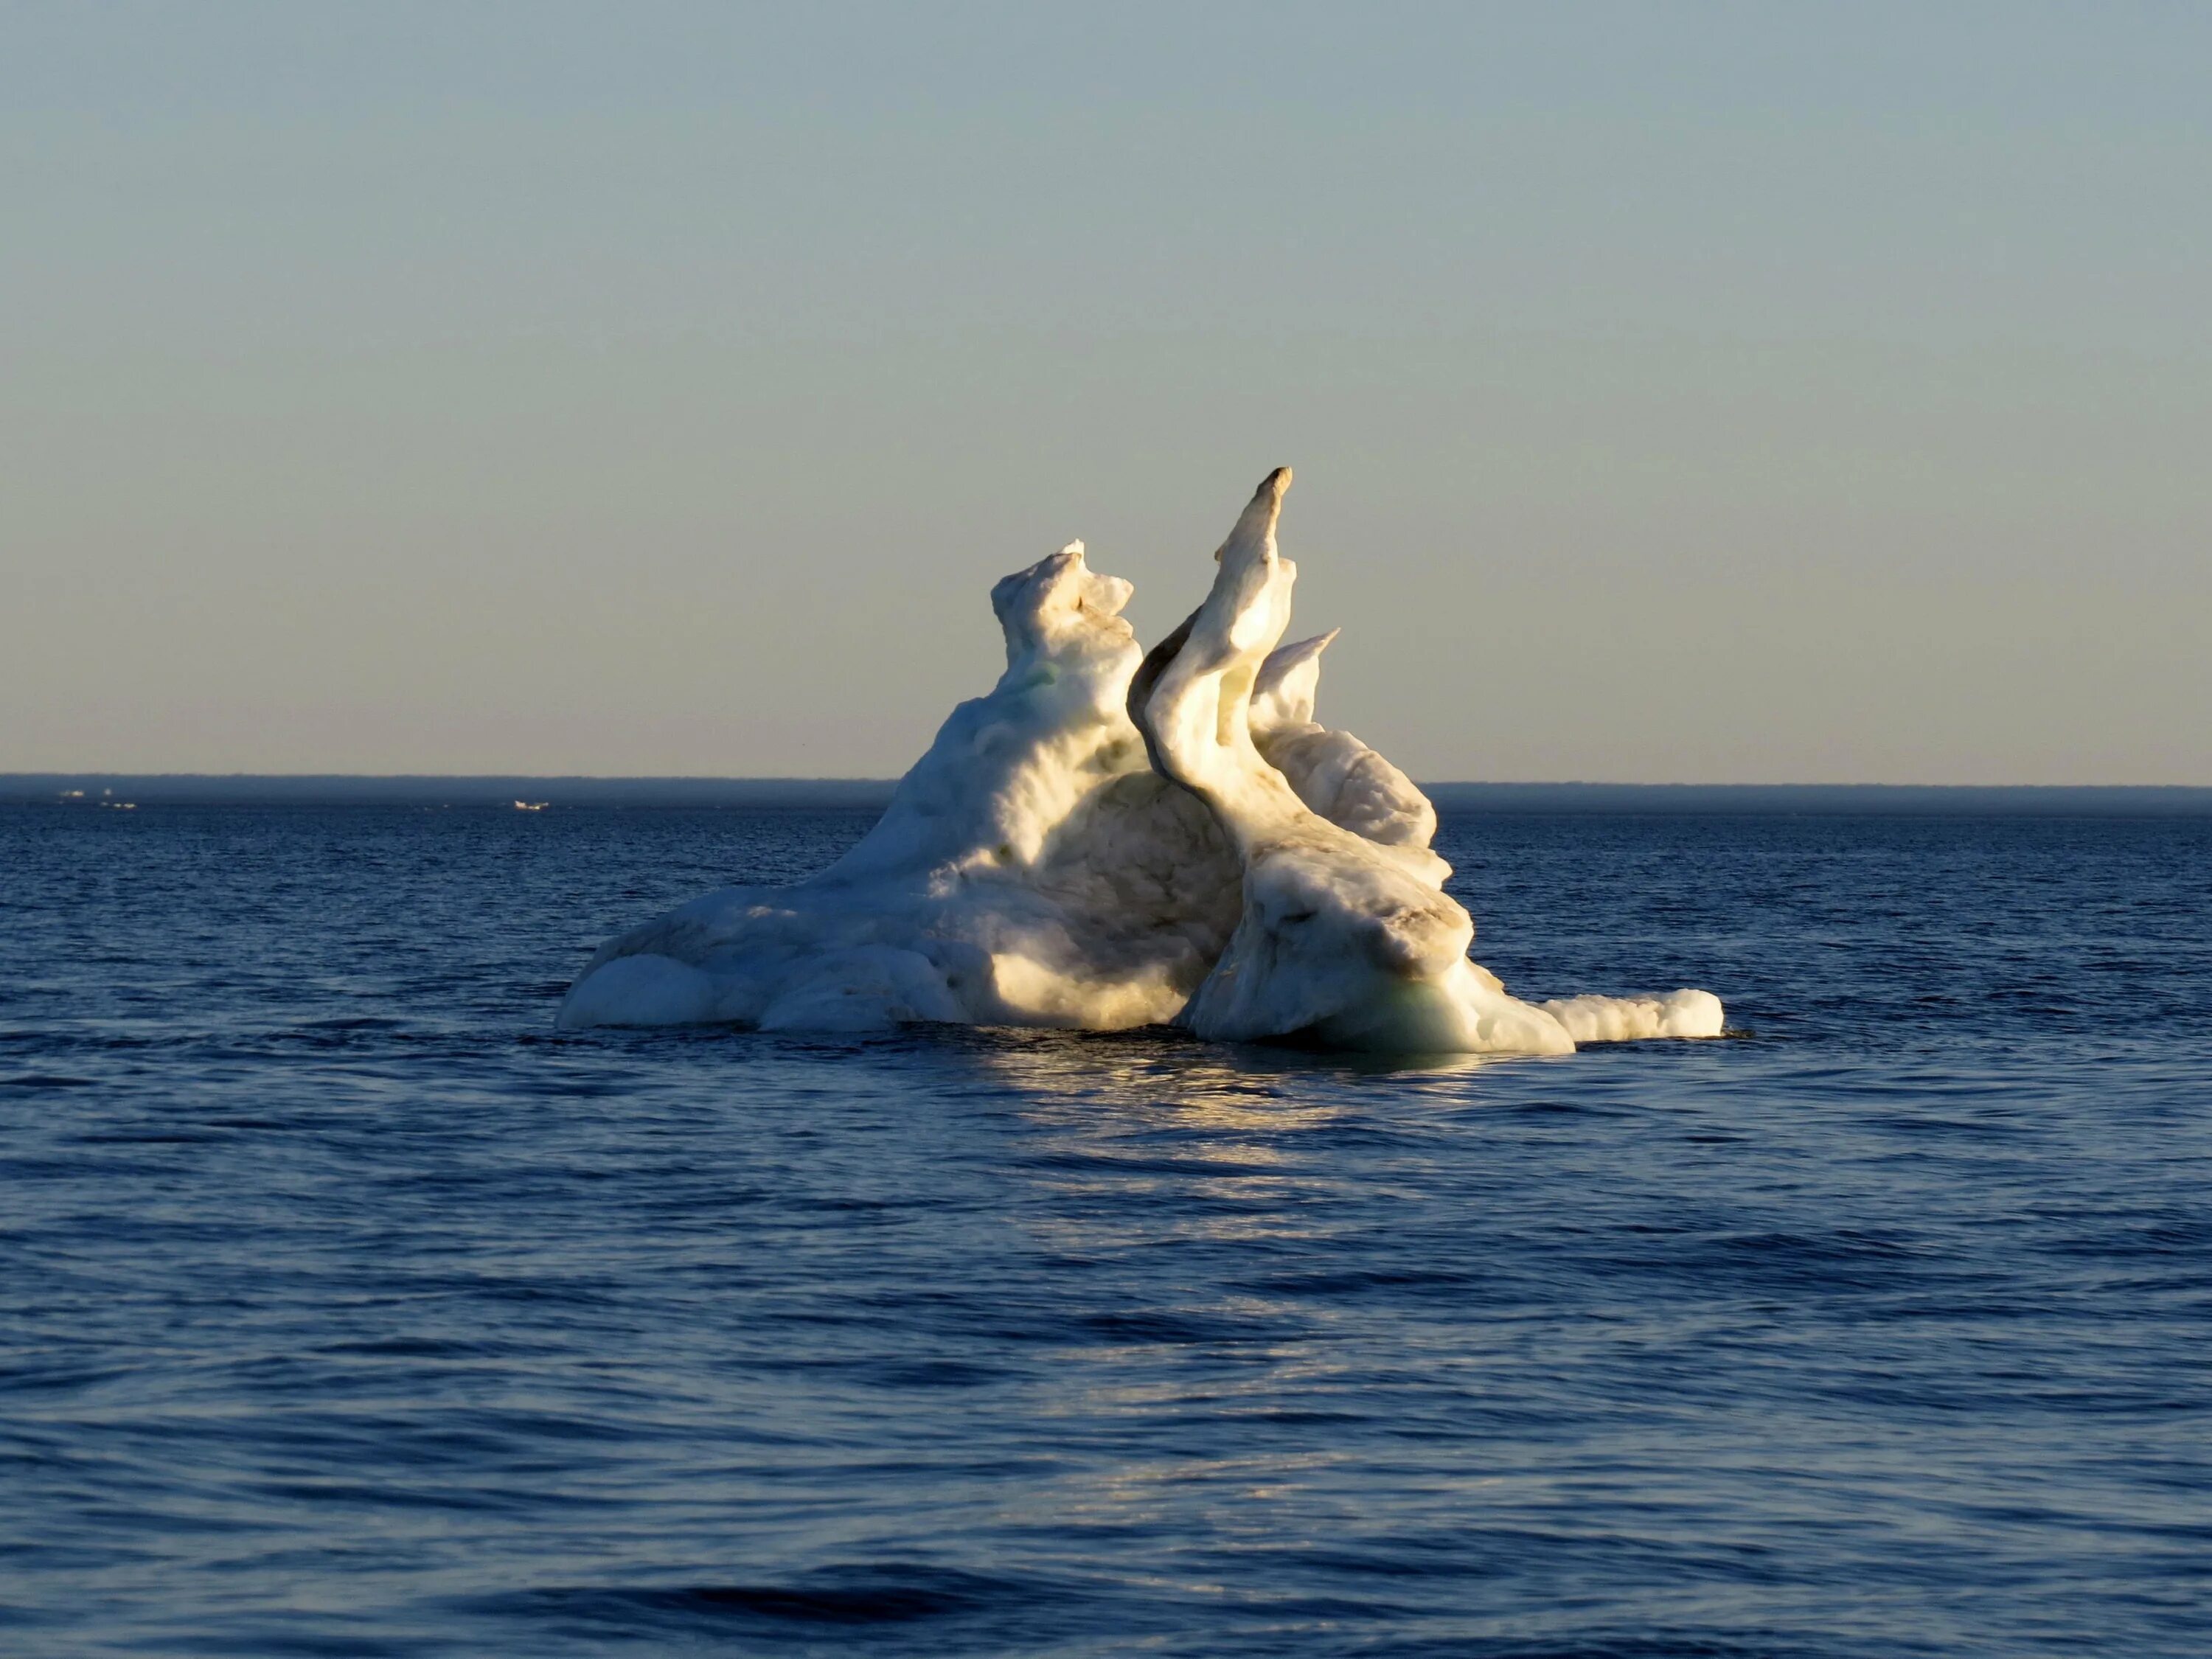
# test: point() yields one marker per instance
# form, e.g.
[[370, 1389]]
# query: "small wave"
[[841, 1596]]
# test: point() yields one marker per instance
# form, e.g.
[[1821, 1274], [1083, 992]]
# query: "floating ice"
[[1032, 869], [1108, 840]]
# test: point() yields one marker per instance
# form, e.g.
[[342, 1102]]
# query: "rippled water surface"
[[344, 1309]]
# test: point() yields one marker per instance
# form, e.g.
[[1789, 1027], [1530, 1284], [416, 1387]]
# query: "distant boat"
[[531, 806]]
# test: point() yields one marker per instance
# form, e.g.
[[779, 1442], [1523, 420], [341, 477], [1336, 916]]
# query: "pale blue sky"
[[1707, 392]]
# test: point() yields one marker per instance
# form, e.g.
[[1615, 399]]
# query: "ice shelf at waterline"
[[1110, 839]]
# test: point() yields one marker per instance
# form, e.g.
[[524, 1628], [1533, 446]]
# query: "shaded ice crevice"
[[1107, 840]]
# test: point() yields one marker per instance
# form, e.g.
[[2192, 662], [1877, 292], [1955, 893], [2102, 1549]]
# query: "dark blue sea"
[[345, 1310]]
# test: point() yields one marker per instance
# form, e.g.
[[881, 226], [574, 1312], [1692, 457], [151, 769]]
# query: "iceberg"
[[1109, 839]]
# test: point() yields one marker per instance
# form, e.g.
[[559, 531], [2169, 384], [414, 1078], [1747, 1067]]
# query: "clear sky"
[[1705, 392]]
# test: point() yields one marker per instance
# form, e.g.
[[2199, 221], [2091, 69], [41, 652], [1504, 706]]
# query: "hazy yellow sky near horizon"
[[1702, 392]]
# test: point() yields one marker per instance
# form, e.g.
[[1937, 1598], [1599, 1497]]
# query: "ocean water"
[[346, 1310]]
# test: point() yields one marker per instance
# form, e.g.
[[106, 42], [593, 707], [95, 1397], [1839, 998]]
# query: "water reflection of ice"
[[1165, 1068]]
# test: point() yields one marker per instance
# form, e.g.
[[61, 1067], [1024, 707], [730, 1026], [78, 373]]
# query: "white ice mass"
[[1109, 839]]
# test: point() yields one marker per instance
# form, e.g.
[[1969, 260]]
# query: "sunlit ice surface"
[[1111, 838]]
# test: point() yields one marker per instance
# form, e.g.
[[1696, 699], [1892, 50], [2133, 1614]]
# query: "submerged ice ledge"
[[1110, 839]]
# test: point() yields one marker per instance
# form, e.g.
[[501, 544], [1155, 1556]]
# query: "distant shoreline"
[[856, 794]]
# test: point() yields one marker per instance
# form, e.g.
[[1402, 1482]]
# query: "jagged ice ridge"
[[1111, 839]]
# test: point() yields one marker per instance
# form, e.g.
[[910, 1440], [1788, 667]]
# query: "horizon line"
[[67, 791], [855, 780]]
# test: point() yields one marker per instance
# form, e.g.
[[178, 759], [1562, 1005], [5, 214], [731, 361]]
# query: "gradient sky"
[[1703, 392]]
